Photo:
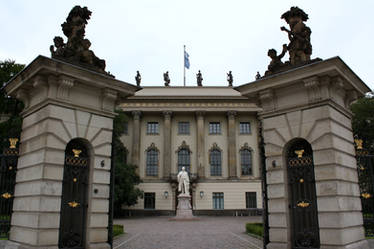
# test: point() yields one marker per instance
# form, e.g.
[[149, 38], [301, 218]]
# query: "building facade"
[[211, 131]]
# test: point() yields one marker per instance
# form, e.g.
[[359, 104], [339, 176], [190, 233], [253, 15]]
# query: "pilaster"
[[232, 144], [200, 144], [135, 155], [167, 144]]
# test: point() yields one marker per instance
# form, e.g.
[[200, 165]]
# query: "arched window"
[[184, 160], [184, 157], [215, 161], [152, 161], [246, 160]]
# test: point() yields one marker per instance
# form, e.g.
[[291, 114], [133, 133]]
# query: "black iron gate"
[[302, 196], [8, 169], [365, 164], [74, 196]]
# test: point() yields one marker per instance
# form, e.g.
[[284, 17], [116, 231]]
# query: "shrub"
[[117, 230], [255, 228]]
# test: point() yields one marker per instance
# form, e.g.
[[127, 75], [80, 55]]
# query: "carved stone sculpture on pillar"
[[76, 50]]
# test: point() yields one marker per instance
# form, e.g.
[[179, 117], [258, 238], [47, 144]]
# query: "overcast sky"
[[148, 35]]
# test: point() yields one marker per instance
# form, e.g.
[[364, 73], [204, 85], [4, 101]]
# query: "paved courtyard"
[[206, 233]]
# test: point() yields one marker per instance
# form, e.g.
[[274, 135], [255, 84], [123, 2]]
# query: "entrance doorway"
[[73, 213], [302, 195]]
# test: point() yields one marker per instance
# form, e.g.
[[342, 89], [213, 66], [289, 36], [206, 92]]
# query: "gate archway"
[[302, 195], [73, 214]]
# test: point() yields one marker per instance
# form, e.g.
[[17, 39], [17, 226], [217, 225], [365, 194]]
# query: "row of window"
[[184, 128], [218, 200], [215, 160]]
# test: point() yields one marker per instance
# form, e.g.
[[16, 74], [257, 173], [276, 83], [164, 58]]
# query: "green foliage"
[[117, 230], [9, 107], [363, 120], [255, 228], [126, 179]]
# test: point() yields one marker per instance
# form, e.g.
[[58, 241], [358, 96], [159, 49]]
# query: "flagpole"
[[184, 66]]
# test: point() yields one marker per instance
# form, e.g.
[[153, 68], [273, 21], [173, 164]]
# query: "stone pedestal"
[[62, 103], [312, 103], [184, 209]]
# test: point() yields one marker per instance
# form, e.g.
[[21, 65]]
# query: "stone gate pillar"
[[62, 102], [312, 103]]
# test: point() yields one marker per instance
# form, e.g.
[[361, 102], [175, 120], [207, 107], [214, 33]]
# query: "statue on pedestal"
[[183, 182]]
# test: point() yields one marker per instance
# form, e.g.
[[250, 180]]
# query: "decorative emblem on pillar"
[[76, 152], [73, 204], [6, 195], [299, 153], [366, 195], [359, 143], [13, 143], [303, 204]]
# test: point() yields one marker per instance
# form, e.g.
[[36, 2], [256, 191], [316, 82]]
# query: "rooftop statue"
[[138, 78], [166, 78], [76, 49], [199, 79], [299, 47], [230, 78]]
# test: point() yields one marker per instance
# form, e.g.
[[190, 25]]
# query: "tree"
[[363, 120], [9, 107], [126, 179]]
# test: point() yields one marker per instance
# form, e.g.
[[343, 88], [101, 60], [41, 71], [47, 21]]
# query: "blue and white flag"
[[186, 60]]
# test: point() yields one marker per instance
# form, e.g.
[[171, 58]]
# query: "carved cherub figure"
[[166, 78], [276, 60], [299, 47], [60, 46]]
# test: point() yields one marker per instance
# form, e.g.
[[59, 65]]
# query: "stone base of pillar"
[[7, 244], [363, 244]]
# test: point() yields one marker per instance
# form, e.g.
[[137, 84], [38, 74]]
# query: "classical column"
[[232, 144], [135, 156], [167, 144], [200, 144]]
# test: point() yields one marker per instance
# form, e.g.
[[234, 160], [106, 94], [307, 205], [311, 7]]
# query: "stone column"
[[58, 109], [135, 156], [232, 144], [200, 144], [167, 144]]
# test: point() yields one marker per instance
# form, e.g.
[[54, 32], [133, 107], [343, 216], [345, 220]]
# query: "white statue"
[[183, 182]]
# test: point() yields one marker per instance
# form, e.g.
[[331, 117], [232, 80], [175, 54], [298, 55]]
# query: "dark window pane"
[[246, 162], [245, 128], [250, 200], [184, 128], [215, 163], [152, 163], [152, 128], [214, 128], [218, 200], [149, 200], [184, 160]]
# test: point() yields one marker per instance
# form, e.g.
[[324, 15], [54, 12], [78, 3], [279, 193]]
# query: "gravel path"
[[205, 233]]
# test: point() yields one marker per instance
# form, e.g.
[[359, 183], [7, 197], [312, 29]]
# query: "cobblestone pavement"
[[205, 233]]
